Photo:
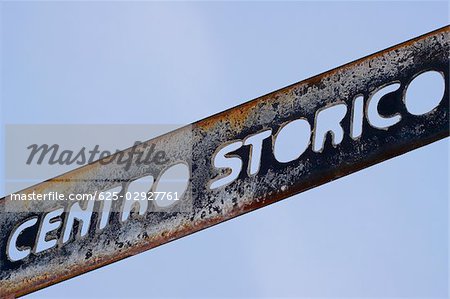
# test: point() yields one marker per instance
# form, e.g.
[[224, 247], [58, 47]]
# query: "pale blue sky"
[[382, 232]]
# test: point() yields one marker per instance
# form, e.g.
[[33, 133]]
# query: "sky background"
[[382, 232]]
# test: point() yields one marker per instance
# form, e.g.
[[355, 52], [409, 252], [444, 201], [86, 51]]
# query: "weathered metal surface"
[[197, 144]]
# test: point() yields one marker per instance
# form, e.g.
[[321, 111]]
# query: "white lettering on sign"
[[289, 147], [290, 142], [82, 211]]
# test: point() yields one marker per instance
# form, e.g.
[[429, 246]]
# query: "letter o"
[[292, 140], [424, 92]]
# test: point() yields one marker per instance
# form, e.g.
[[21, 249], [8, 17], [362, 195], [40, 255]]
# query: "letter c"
[[14, 253]]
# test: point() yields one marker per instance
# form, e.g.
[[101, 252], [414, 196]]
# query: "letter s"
[[222, 159]]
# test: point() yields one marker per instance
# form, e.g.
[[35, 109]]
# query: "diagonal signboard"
[[229, 163]]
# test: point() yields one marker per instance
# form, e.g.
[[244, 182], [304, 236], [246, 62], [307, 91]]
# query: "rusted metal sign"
[[46, 241]]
